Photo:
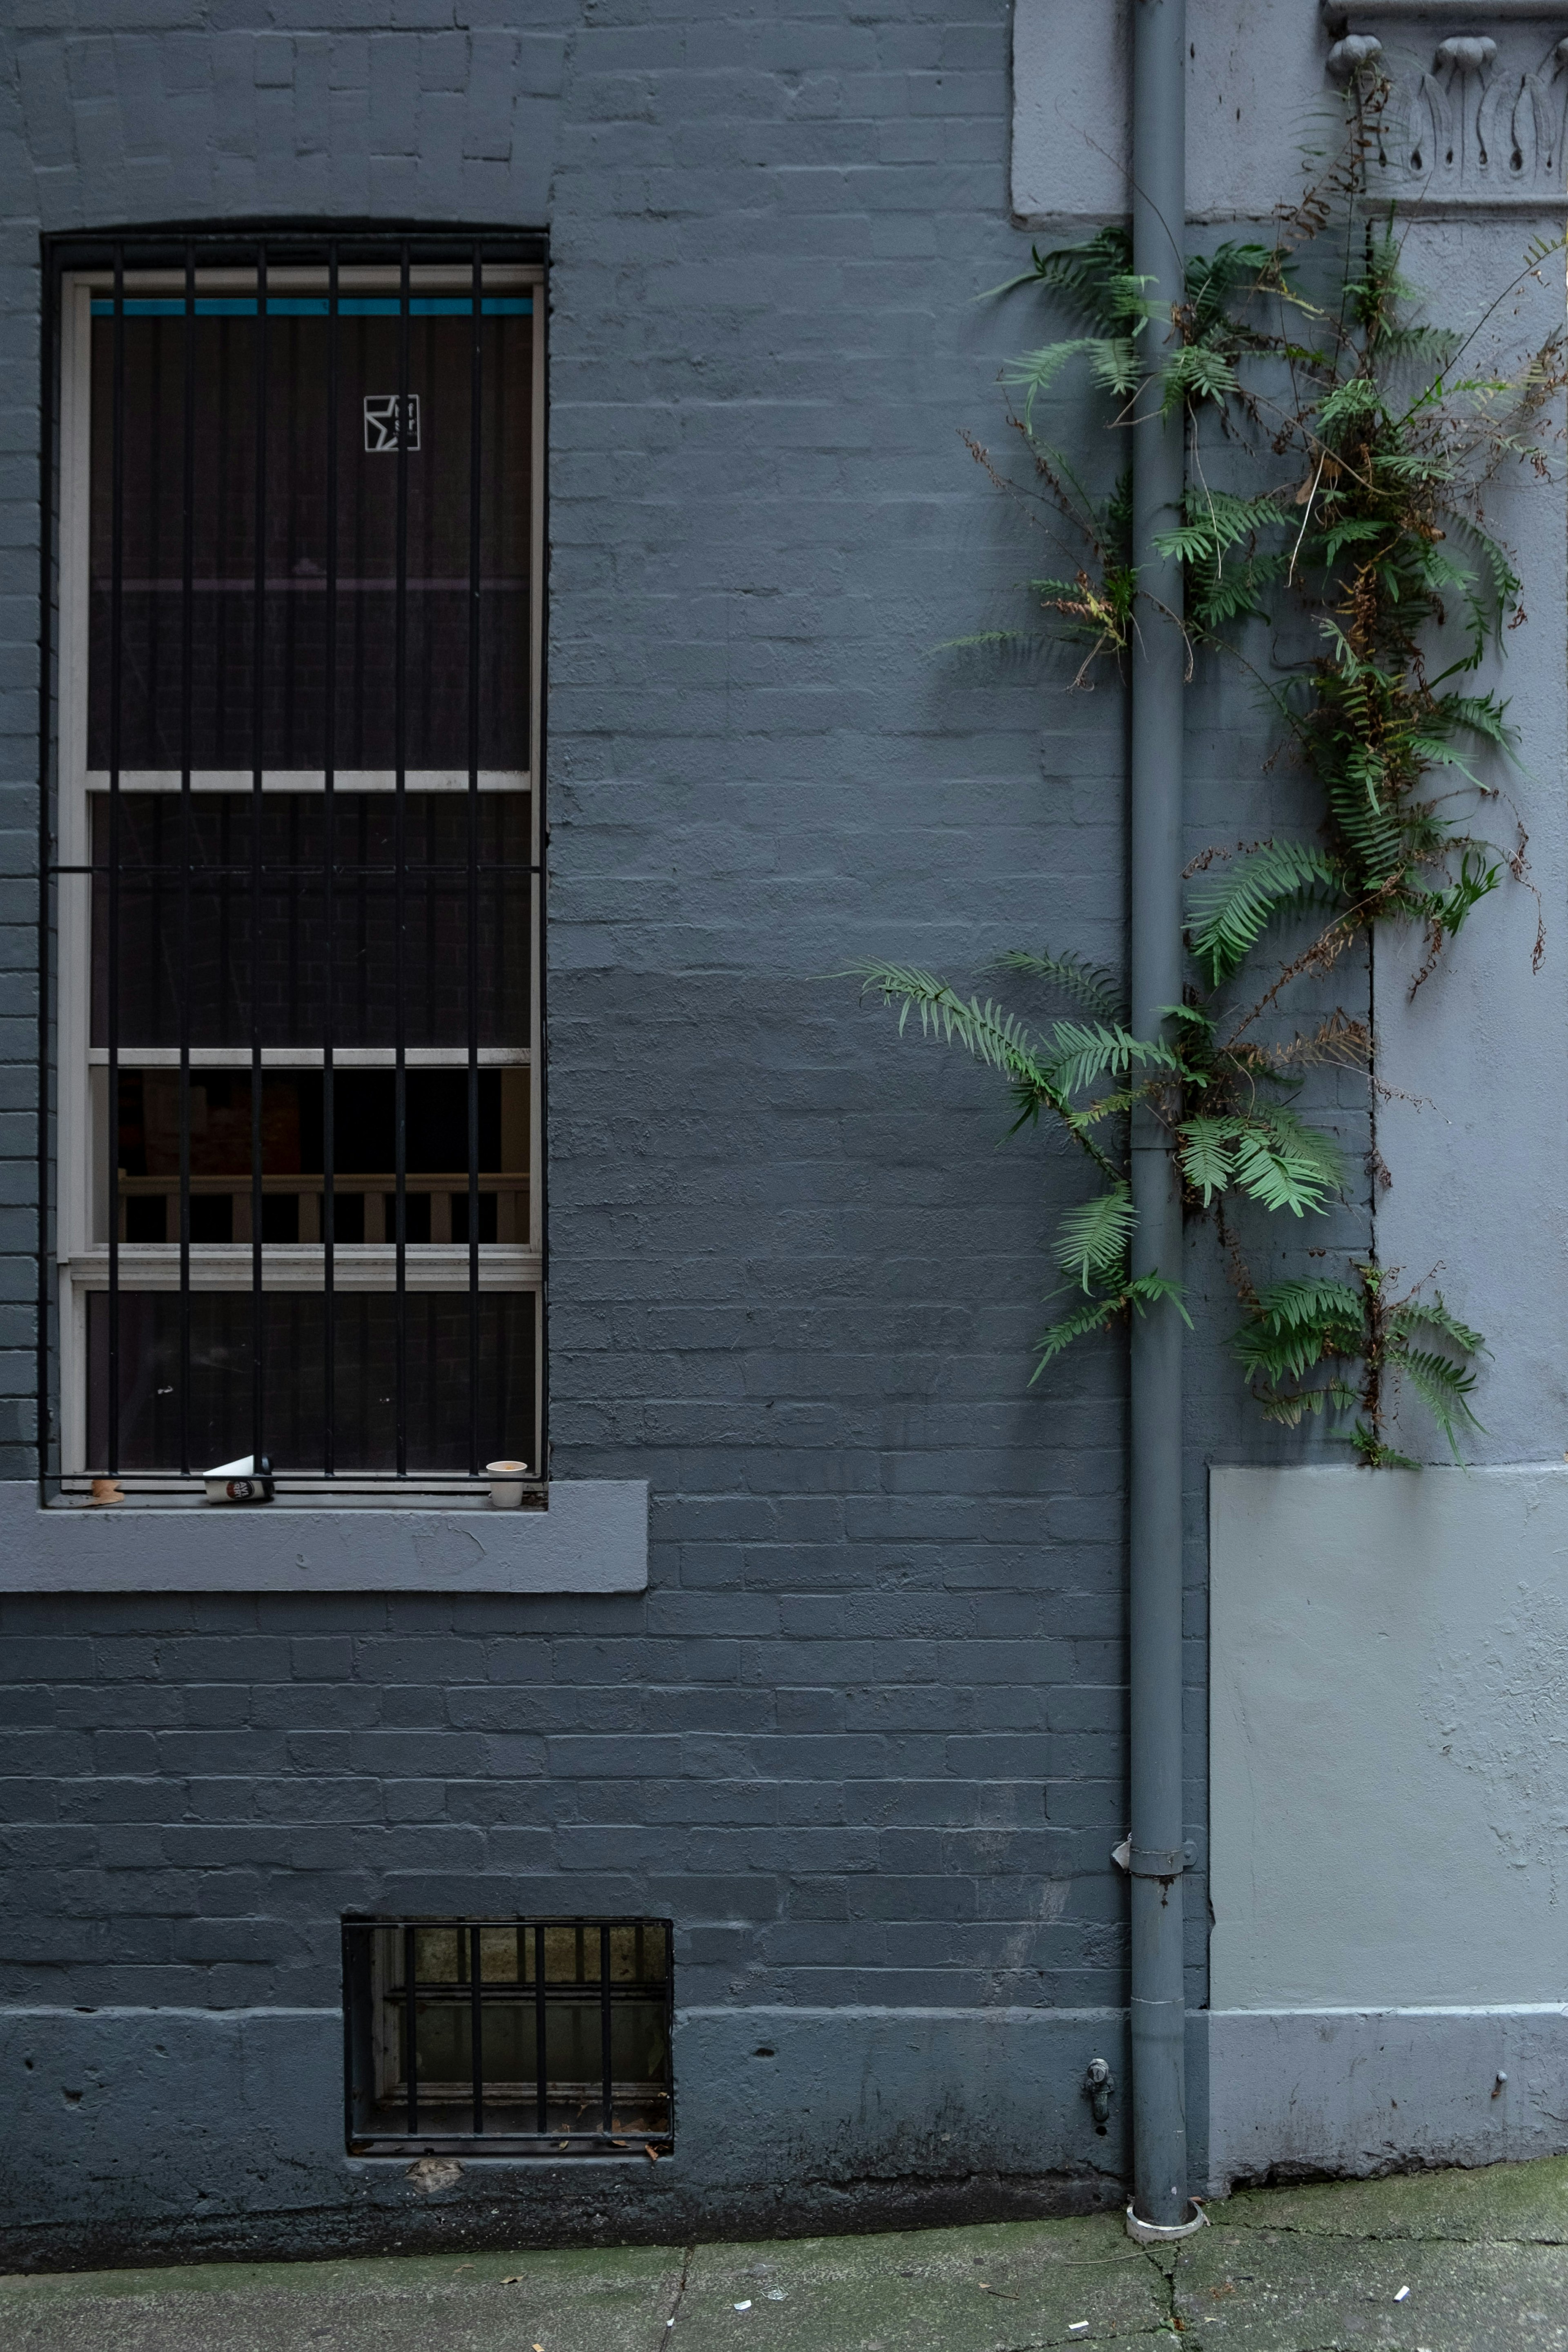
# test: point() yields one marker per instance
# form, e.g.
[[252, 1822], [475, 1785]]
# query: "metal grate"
[[547, 2037], [295, 628]]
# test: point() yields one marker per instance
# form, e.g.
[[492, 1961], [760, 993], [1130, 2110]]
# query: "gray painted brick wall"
[[862, 1738]]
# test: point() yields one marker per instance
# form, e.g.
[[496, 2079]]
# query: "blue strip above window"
[[313, 306]]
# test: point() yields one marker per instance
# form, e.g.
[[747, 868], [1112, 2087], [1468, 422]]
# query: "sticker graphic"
[[381, 421]]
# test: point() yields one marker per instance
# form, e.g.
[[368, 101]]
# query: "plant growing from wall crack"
[[1370, 446]]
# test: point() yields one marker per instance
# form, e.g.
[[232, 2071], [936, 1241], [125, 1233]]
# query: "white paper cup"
[[506, 1484]]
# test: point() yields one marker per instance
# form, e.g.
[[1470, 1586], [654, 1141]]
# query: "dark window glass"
[[295, 546], [365, 1404], [291, 985], [292, 1156]]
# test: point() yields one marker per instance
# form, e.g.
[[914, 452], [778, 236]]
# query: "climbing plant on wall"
[[1358, 441]]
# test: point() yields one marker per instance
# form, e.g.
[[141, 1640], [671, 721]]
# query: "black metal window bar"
[[536, 2037], [294, 862]]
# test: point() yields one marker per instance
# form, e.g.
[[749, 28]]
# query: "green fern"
[[1092, 1239], [1230, 909], [1444, 1387], [1135, 1295], [1267, 1154], [1088, 983], [1368, 514]]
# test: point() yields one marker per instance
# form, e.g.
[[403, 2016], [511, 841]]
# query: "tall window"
[[297, 856]]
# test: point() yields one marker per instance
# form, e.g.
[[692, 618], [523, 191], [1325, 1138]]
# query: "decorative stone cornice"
[[1338, 14], [1474, 116]]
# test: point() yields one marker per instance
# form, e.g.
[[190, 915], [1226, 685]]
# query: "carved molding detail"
[[1337, 13], [1482, 123]]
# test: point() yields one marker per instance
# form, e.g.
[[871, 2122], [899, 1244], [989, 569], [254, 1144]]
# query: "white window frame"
[[83, 1258]]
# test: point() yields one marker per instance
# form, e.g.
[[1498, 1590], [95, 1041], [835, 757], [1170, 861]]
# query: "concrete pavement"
[[1484, 2256]]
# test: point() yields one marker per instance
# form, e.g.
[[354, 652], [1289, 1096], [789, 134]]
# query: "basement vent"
[[510, 2037]]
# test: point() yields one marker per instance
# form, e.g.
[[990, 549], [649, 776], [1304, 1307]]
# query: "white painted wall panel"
[[1389, 1737]]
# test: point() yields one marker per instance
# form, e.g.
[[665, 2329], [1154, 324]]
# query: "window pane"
[[294, 974], [365, 1327], [294, 617], [294, 1103]]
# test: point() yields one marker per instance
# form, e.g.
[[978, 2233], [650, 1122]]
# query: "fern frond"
[[1197, 372], [1443, 1388], [1479, 714], [1095, 1315], [1096, 277], [993, 1036], [1090, 984], [1433, 1314], [1217, 520], [1081, 1053], [1298, 1325], [1208, 1155], [1091, 1239], [1311, 1300], [1287, 1165], [1112, 361], [1134, 1296], [1230, 910], [1114, 364], [1214, 279]]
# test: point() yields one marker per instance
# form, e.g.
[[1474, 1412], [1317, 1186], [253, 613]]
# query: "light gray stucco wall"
[[1389, 1728], [1387, 1933], [1388, 1817], [1256, 99], [1474, 1126]]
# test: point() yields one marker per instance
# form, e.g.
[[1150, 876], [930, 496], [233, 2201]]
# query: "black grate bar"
[[605, 2039], [411, 2028], [258, 722], [477, 2029], [329, 783], [47, 511], [363, 869], [541, 2037], [476, 418], [400, 853], [187, 610], [111, 1107]]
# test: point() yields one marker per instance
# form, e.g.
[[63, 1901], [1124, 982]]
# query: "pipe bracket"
[[1153, 1861]]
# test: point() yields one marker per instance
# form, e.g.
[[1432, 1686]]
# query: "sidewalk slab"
[[1258, 2290], [1312, 2269], [991, 2288], [602, 2300]]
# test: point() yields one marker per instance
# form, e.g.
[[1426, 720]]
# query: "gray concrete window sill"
[[592, 1537]]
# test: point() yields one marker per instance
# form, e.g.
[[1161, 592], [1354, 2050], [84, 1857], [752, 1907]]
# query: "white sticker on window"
[[381, 421]]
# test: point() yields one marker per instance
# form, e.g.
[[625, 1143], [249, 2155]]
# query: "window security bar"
[[547, 2037], [296, 868]]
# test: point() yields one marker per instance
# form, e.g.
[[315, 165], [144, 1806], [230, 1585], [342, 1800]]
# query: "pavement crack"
[[687, 2254], [1385, 2238]]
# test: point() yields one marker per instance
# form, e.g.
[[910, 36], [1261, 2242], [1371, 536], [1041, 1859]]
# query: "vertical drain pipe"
[[1155, 1858]]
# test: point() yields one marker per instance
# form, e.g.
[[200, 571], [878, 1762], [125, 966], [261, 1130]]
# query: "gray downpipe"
[[1158, 663]]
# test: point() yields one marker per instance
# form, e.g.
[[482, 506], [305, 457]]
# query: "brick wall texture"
[[862, 1737]]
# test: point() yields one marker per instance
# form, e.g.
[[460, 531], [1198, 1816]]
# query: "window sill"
[[592, 1537], [348, 1493]]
